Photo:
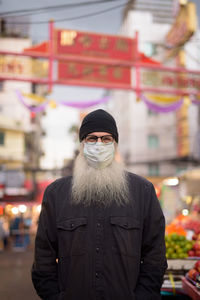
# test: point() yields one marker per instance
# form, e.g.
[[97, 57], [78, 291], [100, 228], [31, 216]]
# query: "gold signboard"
[[183, 28], [23, 67], [183, 81], [182, 131]]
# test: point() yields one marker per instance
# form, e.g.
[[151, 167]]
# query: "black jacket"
[[100, 253]]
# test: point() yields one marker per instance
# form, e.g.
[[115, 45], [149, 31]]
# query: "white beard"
[[103, 186]]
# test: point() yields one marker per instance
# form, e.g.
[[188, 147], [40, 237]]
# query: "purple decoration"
[[196, 101], [36, 109], [161, 109], [66, 103], [84, 104]]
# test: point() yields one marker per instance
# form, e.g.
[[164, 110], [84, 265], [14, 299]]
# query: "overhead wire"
[[39, 10], [70, 18], [44, 9]]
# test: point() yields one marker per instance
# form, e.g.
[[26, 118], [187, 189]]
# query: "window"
[[152, 113], [2, 137], [153, 170], [180, 169], [1, 86], [153, 141], [149, 49]]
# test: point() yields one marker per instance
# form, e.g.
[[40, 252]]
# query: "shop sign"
[[184, 26], [184, 81], [93, 45], [182, 131], [12, 186], [82, 72], [23, 67]]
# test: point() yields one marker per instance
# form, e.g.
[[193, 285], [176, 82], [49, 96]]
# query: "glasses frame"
[[99, 137]]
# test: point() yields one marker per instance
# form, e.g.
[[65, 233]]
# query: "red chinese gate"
[[96, 60]]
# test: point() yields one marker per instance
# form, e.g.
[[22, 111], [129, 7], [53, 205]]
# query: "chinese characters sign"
[[93, 73], [182, 131], [184, 26], [184, 81], [23, 67], [93, 45]]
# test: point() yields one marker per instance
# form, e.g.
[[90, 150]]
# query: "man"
[[101, 232]]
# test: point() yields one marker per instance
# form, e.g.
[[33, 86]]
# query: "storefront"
[[19, 214], [181, 204]]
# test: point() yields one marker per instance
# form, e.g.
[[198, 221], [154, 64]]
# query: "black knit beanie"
[[96, 121]]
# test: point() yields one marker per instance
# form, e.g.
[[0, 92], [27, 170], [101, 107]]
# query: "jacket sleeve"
[[153, 260], [44, 269]]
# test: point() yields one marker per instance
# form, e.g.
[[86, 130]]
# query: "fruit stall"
[[182, 240], [191, 282]]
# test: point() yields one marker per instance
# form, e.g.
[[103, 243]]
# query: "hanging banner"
[[161, 108], [184, 26], [187, 82], [182, 130], [157, 103], [81, 72], [32, 108], [23, 67], [162, 98], [93, 45], [53, 103]]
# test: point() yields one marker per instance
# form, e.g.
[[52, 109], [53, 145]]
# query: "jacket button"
[[97, 275], [98, 224], [72, 225], [97, 249]]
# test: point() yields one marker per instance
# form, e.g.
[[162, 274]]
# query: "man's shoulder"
[[138, 180], [59, 183]]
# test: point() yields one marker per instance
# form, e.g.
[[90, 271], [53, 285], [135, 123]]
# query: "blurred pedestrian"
[[5, 223], [17, 232], [27, 225], [2, 235], [101, 231]]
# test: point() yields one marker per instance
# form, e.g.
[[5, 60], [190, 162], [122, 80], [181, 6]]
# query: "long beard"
[[103, 186]]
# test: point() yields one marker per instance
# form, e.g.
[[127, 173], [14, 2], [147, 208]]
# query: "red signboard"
[[93, 45], [98, 60], [94, 73]]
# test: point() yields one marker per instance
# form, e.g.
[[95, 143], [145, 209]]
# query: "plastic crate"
[[190, 289]]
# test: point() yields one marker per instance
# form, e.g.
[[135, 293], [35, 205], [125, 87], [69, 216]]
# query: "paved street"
[[15, 282], [15, 277]]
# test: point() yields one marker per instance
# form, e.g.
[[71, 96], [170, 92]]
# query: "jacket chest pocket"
[[72, 236], [125, 232]]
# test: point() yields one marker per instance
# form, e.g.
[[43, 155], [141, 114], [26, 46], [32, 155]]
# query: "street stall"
[[191, 282], [182, 239], [182, 255]]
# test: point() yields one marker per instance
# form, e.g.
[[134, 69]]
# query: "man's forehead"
[[99, 133]]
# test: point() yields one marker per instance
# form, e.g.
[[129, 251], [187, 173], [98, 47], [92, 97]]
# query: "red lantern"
[[1, 210], [158, 191], [32, 115]]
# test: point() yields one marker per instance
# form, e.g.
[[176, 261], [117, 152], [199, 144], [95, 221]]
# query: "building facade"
[[150, 142], [20, 129]]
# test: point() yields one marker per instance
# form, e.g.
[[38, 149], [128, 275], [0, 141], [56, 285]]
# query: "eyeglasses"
[[92, 139]]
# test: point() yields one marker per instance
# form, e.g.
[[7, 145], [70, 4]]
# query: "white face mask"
[[99, 155]]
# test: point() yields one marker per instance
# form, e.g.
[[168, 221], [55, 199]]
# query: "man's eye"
[[107, 139], [91, 139]]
